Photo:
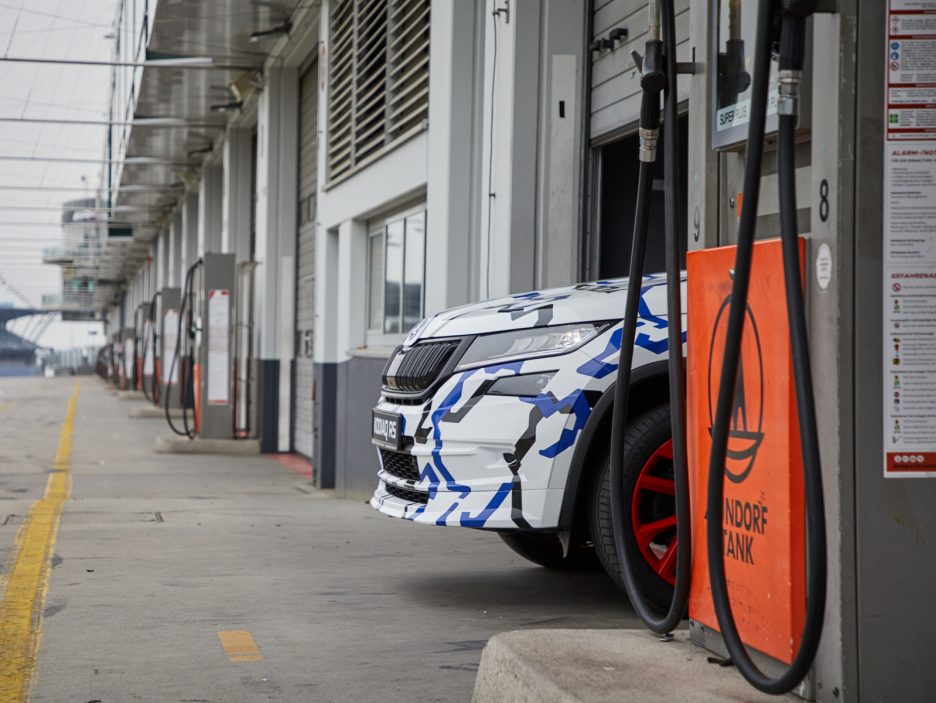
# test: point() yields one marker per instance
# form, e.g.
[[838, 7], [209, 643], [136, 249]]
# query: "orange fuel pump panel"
[[763, 529]]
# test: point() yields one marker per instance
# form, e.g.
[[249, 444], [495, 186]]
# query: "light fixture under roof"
[[271, 33], [227, 107], [200, 152]]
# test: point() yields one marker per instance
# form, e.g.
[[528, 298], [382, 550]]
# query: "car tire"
[[546, 550], [648, 472]]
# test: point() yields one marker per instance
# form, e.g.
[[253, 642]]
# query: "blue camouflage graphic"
[[501, 462]]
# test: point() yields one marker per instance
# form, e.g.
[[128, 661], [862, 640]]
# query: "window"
[[396, 274], [378, 79]]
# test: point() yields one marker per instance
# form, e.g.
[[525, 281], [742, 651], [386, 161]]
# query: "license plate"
[[386, 430]]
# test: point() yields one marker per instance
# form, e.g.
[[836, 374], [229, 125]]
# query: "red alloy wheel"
[[653, 513]]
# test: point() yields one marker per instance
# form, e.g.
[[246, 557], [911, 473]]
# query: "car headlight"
[[528, 343]]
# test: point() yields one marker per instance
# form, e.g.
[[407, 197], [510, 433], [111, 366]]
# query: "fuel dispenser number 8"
[[744, 411]]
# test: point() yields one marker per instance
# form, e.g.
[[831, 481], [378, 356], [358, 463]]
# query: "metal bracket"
[[686, 68], [618, 34], [505, 10], [638, 60], [601, 44]]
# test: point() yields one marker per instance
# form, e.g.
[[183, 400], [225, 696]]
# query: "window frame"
[[378, 81], [375, 336]]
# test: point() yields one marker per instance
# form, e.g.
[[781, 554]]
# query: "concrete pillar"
[[277, 156], [174, 251], [453, 179], [162, 260], [508, 218], [531, 150], [209, 210], [352, 267], [150, 277], [189, 249], [236, 181]]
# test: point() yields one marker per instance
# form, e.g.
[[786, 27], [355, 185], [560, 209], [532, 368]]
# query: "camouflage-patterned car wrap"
[[502, 462]]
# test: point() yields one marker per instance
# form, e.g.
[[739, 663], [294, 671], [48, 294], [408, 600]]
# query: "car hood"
[[582, 302]]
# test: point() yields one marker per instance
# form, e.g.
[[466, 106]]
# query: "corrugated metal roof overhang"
[[219, 29]]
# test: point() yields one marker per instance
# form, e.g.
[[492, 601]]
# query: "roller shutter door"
[[615, 96], [302, 433]]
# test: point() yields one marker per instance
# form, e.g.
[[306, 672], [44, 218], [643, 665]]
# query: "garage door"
[[615, 98], [305, 261]]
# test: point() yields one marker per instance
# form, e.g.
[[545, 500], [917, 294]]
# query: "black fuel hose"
[[791, 58], [151, 316], [135, 376], [653, 80], [184, 309]]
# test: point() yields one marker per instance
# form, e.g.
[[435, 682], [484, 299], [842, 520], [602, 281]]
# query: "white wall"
[[238, 162], [277, 158]]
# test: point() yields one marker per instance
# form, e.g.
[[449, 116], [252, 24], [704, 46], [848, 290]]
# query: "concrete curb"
[[151, 412], [598, 666], [183, 445], [130, 395]]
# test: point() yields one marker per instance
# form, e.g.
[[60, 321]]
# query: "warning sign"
[[219, 332], [763, 513], [909, 332], [147, 348], [170, 338]]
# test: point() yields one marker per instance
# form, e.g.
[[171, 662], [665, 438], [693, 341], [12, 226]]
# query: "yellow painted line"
[[239, 646], [27, 580]]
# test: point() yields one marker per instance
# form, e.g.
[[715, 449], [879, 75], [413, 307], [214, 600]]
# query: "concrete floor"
[[156, 554]]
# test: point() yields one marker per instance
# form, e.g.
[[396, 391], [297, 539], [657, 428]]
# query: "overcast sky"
[[74, 29]]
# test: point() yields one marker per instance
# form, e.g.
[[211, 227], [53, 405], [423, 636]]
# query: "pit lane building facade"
[[368, 162]]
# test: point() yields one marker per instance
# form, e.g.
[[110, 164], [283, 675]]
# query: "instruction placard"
[[219, 332], [909, 332], [128, 360], [147, 351], [170, 337]]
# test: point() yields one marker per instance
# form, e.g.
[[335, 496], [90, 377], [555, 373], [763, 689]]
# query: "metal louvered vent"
[[415, 369], [378, 79], [400, 464], [407, 494]]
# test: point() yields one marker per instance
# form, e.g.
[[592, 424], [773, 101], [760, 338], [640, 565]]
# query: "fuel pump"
[[202, 350], [722, 440]]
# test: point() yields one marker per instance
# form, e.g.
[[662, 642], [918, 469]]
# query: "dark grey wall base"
[[323, 412], [268, 371], [345, 394]]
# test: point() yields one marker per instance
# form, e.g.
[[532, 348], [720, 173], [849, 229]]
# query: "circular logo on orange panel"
[[745, 433]]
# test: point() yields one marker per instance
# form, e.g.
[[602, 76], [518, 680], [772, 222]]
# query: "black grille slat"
[[415, 369], [400, 464], [407, 494]]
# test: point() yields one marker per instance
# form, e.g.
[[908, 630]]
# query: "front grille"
[[407, 494], [400, 464], [417, 368]]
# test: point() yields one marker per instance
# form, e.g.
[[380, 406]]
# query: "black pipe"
[[185, 308], [657, 74], [135, 376], [151, 316], [791, 61]]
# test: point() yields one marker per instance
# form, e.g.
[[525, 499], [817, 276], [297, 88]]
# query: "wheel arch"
[[649, 384]]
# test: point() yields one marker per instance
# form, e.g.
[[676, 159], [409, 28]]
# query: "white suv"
[[497, 416]]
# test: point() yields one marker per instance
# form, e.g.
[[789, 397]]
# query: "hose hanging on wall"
[[792, 41], [658, 71], [185, 309], [135, 380], [151, 316]]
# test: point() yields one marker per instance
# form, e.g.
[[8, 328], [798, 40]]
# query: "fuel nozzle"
[[791, 52], [733, 78], [652, 82]]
